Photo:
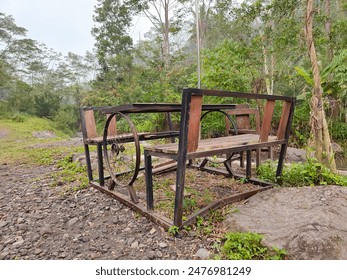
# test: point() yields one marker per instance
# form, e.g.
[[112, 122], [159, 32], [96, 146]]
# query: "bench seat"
[[215, 146], [129, 137]]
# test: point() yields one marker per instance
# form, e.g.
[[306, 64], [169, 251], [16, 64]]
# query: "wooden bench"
[[190, 146]]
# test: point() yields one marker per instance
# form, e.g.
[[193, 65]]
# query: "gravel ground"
[[38, 221]]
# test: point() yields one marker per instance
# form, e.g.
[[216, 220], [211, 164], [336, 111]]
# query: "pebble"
[[162, 245], [4, 255], [19, 241], [3, 224], [72, 221], [202, 253], [135, 244], [46, 230]]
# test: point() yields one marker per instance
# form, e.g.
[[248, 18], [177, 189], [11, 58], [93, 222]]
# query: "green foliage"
[[227, 66], [338, 130], [173, 230], [248, 246], [66, 119], [71, 171], [309, 173]]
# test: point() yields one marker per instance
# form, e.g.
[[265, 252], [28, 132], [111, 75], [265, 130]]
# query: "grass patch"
[[20, 146]]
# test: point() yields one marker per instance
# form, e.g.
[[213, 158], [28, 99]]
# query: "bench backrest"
[[89, 124], [192, 100], [243, 113]]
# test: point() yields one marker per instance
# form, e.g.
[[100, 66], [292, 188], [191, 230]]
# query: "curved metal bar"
[[235, 133], [136, 170]]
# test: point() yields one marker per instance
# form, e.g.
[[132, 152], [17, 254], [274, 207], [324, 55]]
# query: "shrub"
[[310, 173]]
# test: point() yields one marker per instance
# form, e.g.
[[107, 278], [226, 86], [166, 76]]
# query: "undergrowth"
[[246, 246], [309, 173]]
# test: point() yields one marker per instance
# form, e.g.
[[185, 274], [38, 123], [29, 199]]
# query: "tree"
[[319, 127]]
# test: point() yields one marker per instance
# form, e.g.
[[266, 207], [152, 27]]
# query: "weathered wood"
[[284, 120], [90, 123], [267, 120], [194, 123], [112, 127]]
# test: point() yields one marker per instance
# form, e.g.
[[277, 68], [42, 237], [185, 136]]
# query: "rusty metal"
[[113, 148]]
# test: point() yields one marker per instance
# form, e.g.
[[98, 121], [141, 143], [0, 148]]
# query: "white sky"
[[63, 25]]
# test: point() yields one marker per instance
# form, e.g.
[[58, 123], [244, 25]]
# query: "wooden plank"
[[112, 126], [89, 119], [284, 120], [194, 123], [267, 120]]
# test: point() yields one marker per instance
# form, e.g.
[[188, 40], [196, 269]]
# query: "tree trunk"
[[328, 29], [166, 34], [319, 127]]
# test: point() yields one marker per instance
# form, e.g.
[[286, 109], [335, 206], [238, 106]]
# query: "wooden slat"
[[215, 144], [194, 123], [284, 120], [112, 126], [89, 119], [266, 125]]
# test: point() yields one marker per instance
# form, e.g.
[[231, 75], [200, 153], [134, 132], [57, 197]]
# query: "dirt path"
[[40, 222]]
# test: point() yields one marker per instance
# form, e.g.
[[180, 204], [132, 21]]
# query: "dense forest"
[[259, 46]]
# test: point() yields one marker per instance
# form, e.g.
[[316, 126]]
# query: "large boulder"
[[309, 222]]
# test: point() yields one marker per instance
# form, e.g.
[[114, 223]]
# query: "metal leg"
[[249, 163], [281, 160], [100, 165], [89, 165], [149, 180]]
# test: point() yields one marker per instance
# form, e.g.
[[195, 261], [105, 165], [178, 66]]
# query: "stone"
[[318, 231], [72, 222], [152, 231], [3, 224], [4, 255], [46, 230], [130, 240], [162, 245], [202, 253], [19, 241], [158, 254], [134, 245]]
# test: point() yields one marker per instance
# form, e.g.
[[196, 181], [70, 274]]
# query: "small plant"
[[173, 230], [247, 246]]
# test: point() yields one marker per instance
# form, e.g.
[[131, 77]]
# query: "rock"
[[72, 221], [19, 241], [295, 155], [150, 255], [46, 230], [4, 255], [162, 245], [3, 224], [130, 240], [44, 134], [152, 231], [158, 254], [134, 245], [318, 231], [202, 253]]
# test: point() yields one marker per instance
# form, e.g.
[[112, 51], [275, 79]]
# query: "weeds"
[[247, 246]]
